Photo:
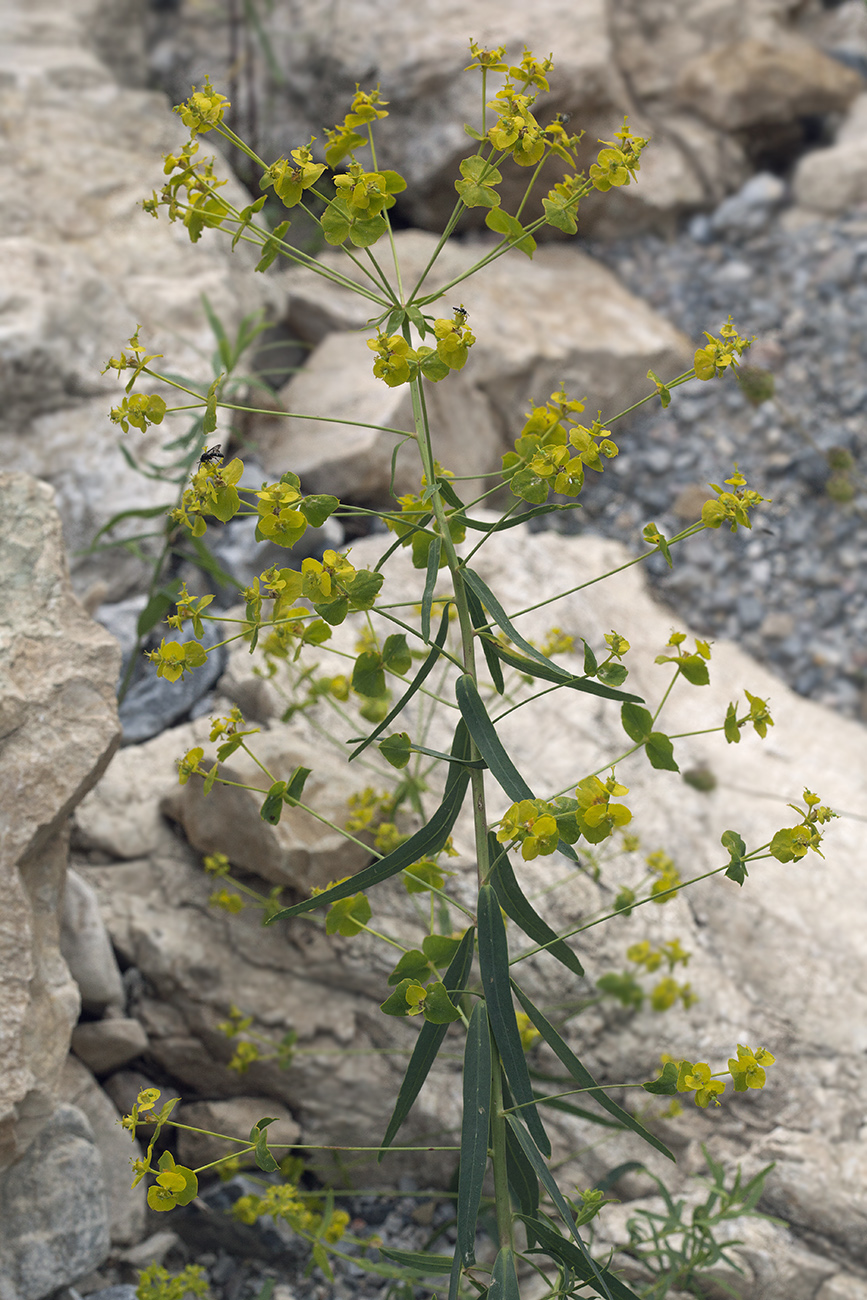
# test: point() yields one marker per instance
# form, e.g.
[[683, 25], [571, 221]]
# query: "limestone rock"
[[834, 180], [751, 83], [106, 1045], [299, 852], [86, 947], [58, 729], [126, 1204], [82, 273], [577, 325], [234, 1117], [53, 1211], [356, 464]]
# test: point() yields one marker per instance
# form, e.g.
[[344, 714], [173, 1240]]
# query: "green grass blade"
[[219, 333], [548, 1181], [429, 1041], [474, 1130], [423, 672], [426, 842], [489, 744], [433, 568], [582, 1076], [494, 965], [518, 908], [498, 527]]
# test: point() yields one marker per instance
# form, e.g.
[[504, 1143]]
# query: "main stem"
[[477, 785]]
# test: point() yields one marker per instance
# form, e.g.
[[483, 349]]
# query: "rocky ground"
[[793, 592]]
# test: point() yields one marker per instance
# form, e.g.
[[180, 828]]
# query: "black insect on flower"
[[213, 453]]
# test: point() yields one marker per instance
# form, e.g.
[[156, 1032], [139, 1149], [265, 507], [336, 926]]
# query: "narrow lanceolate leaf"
[[489, 744], [474, 1130], [549, 1182], [433, 566], [425, 843], [419, 1261], [523, 1183], [491, 748], [428, 1043], [498, 614], [478, 620], [504, 1278], [518, 908], [603, 1281], [548, 672], [582, 1076], [494, 966], [414, 685]]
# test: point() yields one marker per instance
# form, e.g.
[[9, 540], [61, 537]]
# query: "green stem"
[[502, 1200]]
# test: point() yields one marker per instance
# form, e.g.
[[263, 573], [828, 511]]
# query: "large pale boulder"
[[560, 319], [356, 463], [59, 729], [750, 947], [832, 181], [608, 61], [83, 270]]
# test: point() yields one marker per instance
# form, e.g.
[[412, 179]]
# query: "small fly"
[[213, 453]]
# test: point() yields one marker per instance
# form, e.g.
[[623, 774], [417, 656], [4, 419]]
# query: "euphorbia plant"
[[290, 611]]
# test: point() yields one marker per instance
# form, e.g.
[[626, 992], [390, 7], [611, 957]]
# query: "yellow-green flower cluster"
[[720, 353], [290, 181], [731, 507], [747, 1071], [303, 1216], [542, 459], [616, 164], [204, 109], [398, 363]]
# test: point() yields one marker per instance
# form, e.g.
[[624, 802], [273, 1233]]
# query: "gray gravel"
[[793, 591]]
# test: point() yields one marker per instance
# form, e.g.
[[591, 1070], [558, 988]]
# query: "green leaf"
[[478, 620], [489, 744], [320, 1258], [503, 224], [603, 1281], [396, 749], [365, 232], [413, 965], [423, 672], [426, 842], [523, 1183], [433, 564], [439, 1008], [397, 1003], [495, 609], [368, 675], [734, 845], [396, 655], [418, 1261], [550, 1184], [494, 968], [637, 722], [263, 1156], [335, 221], [660, 751], [504, 1278], [666, 1084], [730, 727], [273, 805], [428, 1043], [474, 1130], [613, 674], [317, 509], [271, 246], [582, 1076], [440, 948], [520, 910], [549, 672], [478, 177], [295, 786], [364, 588], [591, 666]]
